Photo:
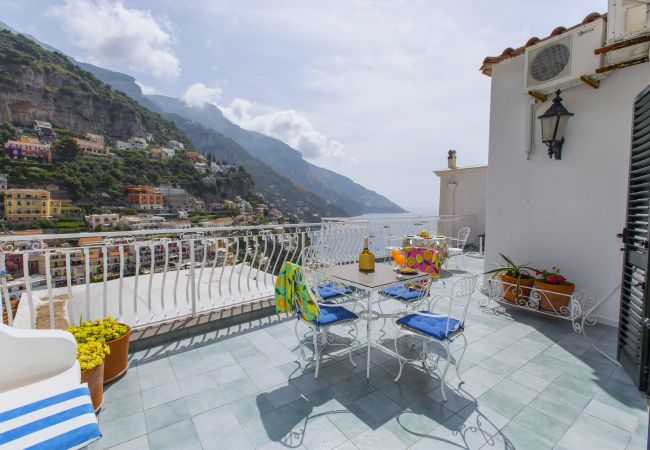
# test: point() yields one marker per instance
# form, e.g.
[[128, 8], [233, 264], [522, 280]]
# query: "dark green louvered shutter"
[[634, 322]]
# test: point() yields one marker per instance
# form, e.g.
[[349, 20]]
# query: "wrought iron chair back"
[[314, 257], [463, 236], [461, 295]]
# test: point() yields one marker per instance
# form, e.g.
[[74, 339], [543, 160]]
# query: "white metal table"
[[383, 277]]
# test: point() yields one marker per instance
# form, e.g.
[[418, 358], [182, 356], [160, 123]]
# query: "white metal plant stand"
[[577, 307]]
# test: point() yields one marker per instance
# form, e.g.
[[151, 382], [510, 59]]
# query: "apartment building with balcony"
[[93, 145], [145, 198], [30, 205], [105, 220], [28, 147]]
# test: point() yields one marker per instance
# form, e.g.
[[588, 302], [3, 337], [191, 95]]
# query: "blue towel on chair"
[[331, 290], [65, 420], [402, 292]]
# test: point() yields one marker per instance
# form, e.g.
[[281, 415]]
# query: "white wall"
[[568, 212], [469, 196]]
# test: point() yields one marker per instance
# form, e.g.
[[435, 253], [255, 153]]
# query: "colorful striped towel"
[[65, 420], [292, 295]]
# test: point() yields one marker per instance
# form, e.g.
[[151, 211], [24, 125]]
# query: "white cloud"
[[110, 33], [288, 126], [146, 89], [198, 95]]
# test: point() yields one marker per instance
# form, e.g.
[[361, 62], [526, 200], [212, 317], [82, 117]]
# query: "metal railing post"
[[192, 278]]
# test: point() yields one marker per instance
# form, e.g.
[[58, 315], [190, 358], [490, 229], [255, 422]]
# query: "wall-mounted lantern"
[[554, 122]]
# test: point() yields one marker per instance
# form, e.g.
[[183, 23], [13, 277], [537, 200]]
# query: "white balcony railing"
[[149, 276]]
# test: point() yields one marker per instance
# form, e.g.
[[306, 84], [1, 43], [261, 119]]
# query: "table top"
[[382, 277]]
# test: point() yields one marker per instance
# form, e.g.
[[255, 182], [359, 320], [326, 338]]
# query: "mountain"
[[348, 196], [39, 84], [353, 198], [292, 199]]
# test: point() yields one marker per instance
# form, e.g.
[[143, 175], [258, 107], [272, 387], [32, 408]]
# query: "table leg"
[[369, 330]]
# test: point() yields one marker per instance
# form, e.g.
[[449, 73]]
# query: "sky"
[[377, 90]]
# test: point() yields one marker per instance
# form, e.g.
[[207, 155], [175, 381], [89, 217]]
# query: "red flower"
[[552, 279], [538, 272], [562, 279]]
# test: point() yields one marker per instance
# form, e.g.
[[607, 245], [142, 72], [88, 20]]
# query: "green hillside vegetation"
[[101, 181]]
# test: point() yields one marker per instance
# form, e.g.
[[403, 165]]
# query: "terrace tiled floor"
[[531, 383]]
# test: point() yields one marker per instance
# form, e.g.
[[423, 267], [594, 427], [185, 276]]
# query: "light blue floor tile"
[[122, 430], [139, 443], [161, 394], [205, 400], [589, 432], [196, 383], [166, 414], [180, 436], [612, 415], [240, 388]]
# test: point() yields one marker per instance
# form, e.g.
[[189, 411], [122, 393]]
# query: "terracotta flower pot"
[[511, 293], [95, 379], [117, 362], [554, 297]]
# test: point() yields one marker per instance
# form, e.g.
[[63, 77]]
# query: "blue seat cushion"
[[331, 290], [333, 314], [435, 327], [401, 292]]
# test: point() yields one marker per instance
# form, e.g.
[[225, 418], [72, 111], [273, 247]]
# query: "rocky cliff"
[[36, 84]]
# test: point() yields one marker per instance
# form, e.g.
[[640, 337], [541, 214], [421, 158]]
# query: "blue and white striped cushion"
[[64, 421]]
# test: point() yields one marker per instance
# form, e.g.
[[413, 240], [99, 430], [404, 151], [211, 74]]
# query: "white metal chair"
[[441, 328], [456, 246], [332, 313], [410, 295]]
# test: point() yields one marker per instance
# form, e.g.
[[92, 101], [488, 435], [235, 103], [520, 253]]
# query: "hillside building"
[[93, 147], [43, 129], [28, 147], [105, 220], [462, 193], [175, 145], [138, 143], [29, 205], [145, 198]]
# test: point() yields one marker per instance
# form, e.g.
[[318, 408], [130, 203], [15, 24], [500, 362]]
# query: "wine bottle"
[[366, 258]]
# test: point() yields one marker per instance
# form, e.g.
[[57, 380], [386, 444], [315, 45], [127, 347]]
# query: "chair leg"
[[444, 373], [425, 352], [354, 340], [300, 341], [458, 361], [316, 355], [399, 360]]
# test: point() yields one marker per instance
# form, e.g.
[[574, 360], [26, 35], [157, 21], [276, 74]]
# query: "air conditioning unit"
[[559, 62]]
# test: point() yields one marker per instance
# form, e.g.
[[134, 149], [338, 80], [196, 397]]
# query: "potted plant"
[[517, 279], [116, 335], [554, 290], [91, 357]]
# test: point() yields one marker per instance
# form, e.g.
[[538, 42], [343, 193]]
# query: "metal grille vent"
[[549, 62]]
